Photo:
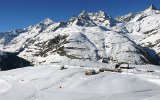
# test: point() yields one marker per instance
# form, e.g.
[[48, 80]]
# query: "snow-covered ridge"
[[144, 28], [128, 17]]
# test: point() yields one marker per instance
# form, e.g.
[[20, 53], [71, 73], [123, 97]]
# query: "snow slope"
[[47, 82]]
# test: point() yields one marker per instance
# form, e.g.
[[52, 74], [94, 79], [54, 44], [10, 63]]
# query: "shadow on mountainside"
[[12, 61], [151, 56]]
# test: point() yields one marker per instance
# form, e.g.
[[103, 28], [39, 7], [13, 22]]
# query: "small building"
[[90, 72], [117, 66], [110, 70], [122, 66]]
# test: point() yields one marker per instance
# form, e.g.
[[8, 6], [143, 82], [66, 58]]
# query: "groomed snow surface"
[[48, 82]]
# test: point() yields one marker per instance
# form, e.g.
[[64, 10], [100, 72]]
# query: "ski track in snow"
[[4, 86]]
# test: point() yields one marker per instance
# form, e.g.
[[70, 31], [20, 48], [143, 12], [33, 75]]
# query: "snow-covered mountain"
[[144, 27], [130, 16], [89, 36]]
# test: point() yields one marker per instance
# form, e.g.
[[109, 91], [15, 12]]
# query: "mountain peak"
[[101, 13], [151, 7], [98, 14], [47, 21], [92, 19], [84, 14]]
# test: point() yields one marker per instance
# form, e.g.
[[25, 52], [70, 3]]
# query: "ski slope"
[[47, 82]]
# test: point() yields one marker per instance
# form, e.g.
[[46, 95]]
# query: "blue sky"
[[22, 13]]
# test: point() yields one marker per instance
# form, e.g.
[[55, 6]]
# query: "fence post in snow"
[[75, 63], [68, 62]]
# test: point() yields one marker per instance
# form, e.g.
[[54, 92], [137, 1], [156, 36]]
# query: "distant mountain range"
[[133, 38]]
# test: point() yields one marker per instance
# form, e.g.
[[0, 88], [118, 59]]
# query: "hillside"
[[48, 83]]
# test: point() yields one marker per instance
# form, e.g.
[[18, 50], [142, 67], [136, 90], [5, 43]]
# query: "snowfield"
[[48, 82]]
